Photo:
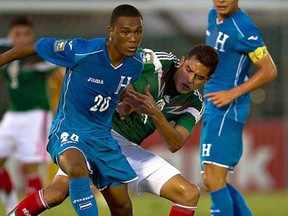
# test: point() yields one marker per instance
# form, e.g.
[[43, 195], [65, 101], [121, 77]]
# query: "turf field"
[[262, 204]]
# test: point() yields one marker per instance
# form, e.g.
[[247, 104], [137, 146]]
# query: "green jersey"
[[25, 80], [183, 109]]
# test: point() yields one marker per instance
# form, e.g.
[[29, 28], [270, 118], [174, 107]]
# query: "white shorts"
[[152, 170], [24, 136]]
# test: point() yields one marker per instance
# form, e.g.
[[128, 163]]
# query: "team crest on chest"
[[220, 41]]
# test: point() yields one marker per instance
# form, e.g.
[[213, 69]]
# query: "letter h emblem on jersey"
[[220, 42], [206, 150], [122, 84]]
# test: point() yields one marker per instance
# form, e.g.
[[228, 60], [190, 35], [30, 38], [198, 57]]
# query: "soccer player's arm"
[[18, 52], [124, 108], [144, 103], [186, 122], [174, 135], [253, 45], [60, 52], [266, 72]]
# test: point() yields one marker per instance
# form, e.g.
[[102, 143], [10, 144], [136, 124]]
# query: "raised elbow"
[[175, 148], [274, 73], [270, 74]]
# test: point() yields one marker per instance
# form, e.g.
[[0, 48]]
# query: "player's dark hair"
[[124, 10], [21, 20], [207, 55]]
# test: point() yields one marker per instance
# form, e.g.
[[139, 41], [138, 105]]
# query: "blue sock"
[[82, 197], [222, 204], [240, 207]]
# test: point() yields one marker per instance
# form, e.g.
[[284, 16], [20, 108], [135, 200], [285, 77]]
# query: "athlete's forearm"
[[173, 139], [18, 52], [266, 73]]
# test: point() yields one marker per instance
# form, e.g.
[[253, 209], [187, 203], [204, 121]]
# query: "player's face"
[[225, 8], [190, 75], [127, 35], [20, 34]]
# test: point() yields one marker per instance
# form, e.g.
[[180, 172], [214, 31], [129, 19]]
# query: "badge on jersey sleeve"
[[59, 45], [258, 54], [147, 57]]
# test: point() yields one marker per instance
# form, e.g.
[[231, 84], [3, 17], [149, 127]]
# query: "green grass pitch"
[[262, 204]]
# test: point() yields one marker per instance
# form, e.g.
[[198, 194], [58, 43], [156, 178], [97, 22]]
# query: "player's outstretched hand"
[[142, 103]]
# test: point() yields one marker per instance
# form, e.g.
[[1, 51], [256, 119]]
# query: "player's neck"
[[115, 57], [221, 17]]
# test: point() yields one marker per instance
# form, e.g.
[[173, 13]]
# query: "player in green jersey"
[[167, 91], [25, 125]]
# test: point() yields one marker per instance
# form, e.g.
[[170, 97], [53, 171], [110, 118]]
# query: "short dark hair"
[[124, 10], [21, 20], [207, 55]]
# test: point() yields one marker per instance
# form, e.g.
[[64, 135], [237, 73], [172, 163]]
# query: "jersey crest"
[[220, 41], [59, 45], [147, 57]]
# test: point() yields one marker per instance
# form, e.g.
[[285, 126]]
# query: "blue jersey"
[[238, 42], [91, 86]]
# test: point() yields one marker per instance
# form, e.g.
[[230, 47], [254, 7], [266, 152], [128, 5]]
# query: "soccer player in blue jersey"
[[80, 139], [172, 96], [239, 43]]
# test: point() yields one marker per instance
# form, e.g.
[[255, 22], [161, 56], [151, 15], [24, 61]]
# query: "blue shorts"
[[221, 141], [105, 161]]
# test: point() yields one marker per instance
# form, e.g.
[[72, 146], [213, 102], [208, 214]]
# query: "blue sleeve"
[[212, 16], [57, 51], [251, 39]]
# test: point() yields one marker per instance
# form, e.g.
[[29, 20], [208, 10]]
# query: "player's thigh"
[[117, 196], [152, 170]]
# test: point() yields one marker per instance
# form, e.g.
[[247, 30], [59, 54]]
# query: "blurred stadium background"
[[176, 26]]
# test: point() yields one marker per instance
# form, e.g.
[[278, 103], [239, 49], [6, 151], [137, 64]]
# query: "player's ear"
[[110, 31], [182, 60]]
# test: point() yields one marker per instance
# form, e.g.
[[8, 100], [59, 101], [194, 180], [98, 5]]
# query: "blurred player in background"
[[25, 126], [227, 99], [80, 139], [166, 92]]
